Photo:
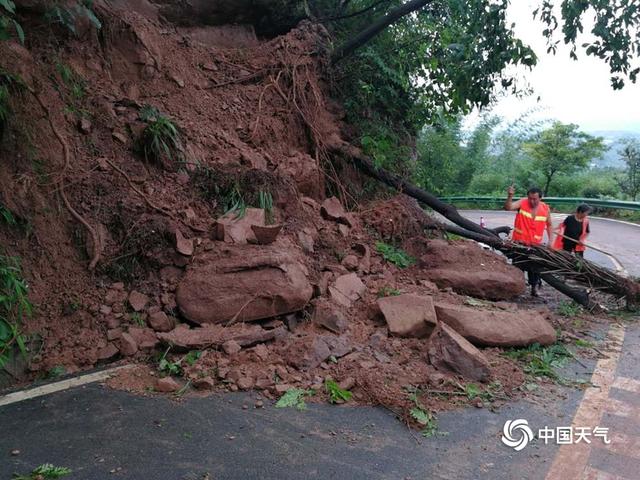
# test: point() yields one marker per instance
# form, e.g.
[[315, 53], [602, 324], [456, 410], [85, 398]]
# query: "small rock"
[[144, 337], [408, 315], [328, 316], [138, 300], [205, 383], [128, 345], [84, 125], [108, 352], [348, 383], [347, 289], [15, 452], [332, 209], [245, 383], [112, 322], [184, 246], [105, 309], [121, 137], [261, 351], [114, 334], [344, 230], [350, 262], [231, 347], [166, 385], [161, 322], [282, 387], [259, 404], [306, 242]]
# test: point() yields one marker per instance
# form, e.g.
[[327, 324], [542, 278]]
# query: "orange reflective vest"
[[558, 243], [529, 229]]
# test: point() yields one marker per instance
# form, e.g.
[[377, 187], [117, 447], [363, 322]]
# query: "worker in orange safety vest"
[[532, 219], [574, 231]]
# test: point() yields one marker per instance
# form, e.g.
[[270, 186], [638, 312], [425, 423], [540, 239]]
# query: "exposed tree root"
[[60, 182]]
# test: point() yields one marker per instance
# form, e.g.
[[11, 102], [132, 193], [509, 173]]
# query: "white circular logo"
[[516, 434]]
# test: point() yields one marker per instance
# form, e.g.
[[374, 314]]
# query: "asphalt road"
[[621, 239]]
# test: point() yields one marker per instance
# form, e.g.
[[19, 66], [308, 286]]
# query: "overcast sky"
[[571, 91]]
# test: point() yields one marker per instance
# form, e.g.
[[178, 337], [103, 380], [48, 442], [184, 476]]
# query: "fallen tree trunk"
[[366, 165], [549, 263]]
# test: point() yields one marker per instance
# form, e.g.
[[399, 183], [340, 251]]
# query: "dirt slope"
[[253, 121]]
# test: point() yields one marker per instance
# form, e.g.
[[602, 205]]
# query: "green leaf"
[[336, 394], [294, 397], [19, 31], [420, 416], [8, 5]]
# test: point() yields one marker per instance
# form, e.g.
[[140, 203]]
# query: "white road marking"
[[59, 386], [571, 460]]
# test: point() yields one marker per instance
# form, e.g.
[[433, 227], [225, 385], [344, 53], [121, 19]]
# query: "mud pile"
[[289, 287]]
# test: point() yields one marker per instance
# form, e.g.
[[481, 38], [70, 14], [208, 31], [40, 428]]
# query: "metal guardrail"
[[594, 202]]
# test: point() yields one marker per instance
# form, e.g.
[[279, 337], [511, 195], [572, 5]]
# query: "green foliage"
[[161, 139], [541, 361], [630, 180], [46, 471], [336, 394], [8, 23], [14, 307], [394, 255], [137, 319], [57, 371], [266, 203], [387, 291], [569, 309], [167, 367], [68, 15], [583, 343], [562, 149], [6, 216], [423, 416], [294, 397], [613, 37]]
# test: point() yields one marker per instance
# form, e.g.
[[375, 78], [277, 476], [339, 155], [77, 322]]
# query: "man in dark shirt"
[[576, 227]]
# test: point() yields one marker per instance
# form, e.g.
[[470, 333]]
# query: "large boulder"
[[449, 351], [408, 315], [244, 283], [497, 328], [243, 335], [468, 269]]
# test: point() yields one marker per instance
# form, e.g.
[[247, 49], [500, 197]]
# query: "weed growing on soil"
[[387, 291], [266, 203], [14, 306], [394, 255], [294, 397], [541, 361], [336, 394], [44, 472], [175, 368], [424, 417], [161, 138], [137, 319], [569, 309], [56, 372], [7, 22]]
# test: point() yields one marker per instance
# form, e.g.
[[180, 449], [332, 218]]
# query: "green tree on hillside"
[[630, 183], [562, 149]]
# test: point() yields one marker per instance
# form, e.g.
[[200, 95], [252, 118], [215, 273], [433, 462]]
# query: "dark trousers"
[[571, 249], [534, 277]]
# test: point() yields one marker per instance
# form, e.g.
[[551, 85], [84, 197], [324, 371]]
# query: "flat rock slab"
[[243, 283], [408, 315], [347, 289], [496, 328], [185, 338], [450, 352]]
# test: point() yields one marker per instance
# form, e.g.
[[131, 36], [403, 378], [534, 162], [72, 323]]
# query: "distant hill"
[[613, 139]]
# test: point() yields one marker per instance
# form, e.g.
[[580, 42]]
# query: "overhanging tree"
[[630, 183]]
